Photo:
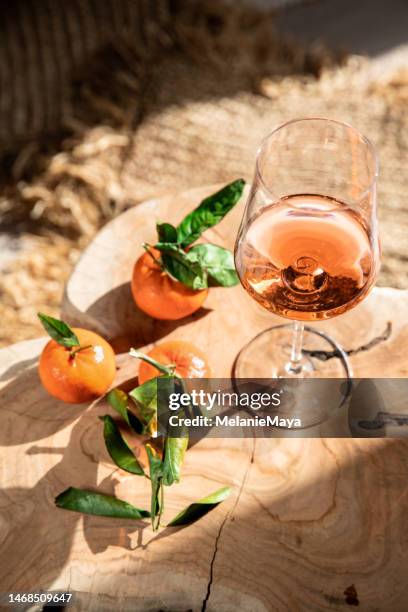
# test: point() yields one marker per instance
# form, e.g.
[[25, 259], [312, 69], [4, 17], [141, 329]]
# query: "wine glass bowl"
[[307, 248]]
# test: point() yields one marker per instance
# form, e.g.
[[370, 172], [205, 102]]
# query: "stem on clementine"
[[167, 369], [78, 350]]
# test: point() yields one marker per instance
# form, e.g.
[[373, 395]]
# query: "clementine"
[[160, 296], [81, 373], [189, 361]]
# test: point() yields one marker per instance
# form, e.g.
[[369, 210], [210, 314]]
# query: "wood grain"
[[308, 519]]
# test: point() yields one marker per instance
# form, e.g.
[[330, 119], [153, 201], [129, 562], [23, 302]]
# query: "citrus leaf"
[[189, 273], [166, 232], [218, 263], [155, 463], [58, 330], [198, 509], [174, 451], [118, 448], [210, 212], [119, 401], [145, 398], [182, 266], [98, 504]]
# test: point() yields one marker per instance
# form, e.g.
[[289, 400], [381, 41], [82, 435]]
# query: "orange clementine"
[[159, 295], [78, 377], [189, 360]]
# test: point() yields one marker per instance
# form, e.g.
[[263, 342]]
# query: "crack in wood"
[[326, 355], [210, 581], [227, 516]]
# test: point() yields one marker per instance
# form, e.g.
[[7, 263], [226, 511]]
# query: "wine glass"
[[307, 248]]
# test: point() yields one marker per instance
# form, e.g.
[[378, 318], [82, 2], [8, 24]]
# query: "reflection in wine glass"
[[307, 248]]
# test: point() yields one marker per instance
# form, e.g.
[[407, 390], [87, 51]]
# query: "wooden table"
[[313, 524]]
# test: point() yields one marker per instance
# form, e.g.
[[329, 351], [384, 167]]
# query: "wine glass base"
[[268, 355]]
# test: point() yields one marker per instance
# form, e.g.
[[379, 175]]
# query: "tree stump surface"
[[312, 525]]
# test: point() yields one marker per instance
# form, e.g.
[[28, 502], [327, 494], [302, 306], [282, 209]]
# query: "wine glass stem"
[[294, 366]]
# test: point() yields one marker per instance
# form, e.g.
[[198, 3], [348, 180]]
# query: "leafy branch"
[[203, 265], [138, 411]]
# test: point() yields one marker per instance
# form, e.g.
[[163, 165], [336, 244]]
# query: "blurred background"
[[104, 103]]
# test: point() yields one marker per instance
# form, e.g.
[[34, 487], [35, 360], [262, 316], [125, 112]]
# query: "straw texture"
[[111, 103]]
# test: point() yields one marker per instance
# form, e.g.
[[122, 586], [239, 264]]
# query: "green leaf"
[[210, 212], [99, 504], [145, 398], [218, 263], [183, 266], [59, 331], [156, 480], [166, 232], [155, 463], [174, 451], [118, 448], [190, 273], [198, 509], [119, 401]]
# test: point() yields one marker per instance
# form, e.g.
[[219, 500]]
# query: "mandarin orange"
[[79, 374], [160, 296], [190, 361]]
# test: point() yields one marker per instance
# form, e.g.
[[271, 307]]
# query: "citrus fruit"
[[160, 296], [189, 360], [78, 374]]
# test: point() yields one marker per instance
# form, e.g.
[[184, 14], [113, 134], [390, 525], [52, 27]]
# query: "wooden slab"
[[308, 518], [312, 525]]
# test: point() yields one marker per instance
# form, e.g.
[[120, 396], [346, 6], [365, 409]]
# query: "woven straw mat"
[[133, 100]]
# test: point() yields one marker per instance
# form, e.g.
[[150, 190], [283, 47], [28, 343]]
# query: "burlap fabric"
[[157, 97]]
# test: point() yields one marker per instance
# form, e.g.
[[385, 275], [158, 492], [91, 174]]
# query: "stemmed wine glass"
[[308, 247]]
